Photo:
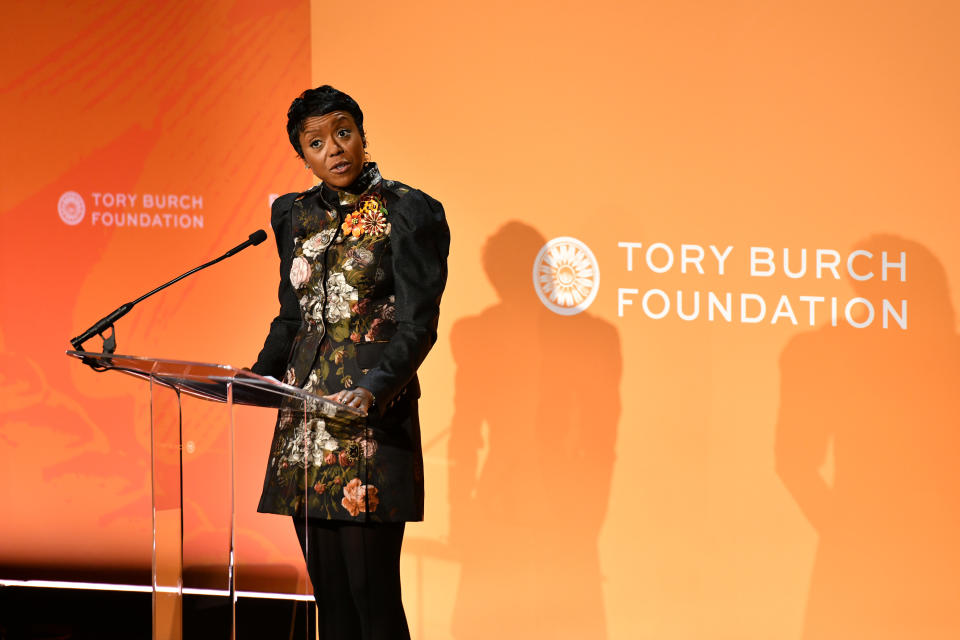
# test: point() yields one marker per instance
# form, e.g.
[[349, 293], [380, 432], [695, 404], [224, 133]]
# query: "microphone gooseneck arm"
[[110, 344]]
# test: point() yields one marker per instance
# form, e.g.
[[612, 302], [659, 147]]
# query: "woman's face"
[[333, 148]]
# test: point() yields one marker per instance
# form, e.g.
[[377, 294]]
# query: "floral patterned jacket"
[[361, 276]]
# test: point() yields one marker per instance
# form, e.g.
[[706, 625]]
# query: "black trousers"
[[355, 570]]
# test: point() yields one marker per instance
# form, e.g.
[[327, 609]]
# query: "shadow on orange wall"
[[524, 521], [887, 564]]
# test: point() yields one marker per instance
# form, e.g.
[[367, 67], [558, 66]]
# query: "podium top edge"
[[177, 373], [189, 363]]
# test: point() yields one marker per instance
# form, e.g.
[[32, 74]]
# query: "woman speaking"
[[362, 270]]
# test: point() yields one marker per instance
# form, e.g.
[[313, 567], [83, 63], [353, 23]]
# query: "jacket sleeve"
[[276, 348], [420, 241]]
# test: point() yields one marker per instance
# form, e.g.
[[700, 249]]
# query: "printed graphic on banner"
[[811, 267], [142, 210], [71, 208], [566, 276]]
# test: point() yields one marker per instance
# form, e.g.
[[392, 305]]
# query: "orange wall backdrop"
[[665, 464]]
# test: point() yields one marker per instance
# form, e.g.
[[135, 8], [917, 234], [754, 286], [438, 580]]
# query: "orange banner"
[[142, 139]]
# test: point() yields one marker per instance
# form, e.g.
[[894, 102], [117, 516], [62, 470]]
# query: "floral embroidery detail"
[[361, 306], [315, 244], [312, 307], [353, 450], [312, 458], [326, 441], [299, 272], [359, 497], [339, 296], [357, 257], [366, 444], [376, 330], [387, 310], [384, 320], [309, 444], [313, 381]]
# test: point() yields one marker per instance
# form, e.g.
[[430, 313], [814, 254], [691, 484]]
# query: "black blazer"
[[361, 277]]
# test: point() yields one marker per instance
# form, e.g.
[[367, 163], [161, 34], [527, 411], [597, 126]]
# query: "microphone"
[[255, 238], [110, 343]]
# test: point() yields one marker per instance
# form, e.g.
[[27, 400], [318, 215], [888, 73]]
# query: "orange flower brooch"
[[369, 217]]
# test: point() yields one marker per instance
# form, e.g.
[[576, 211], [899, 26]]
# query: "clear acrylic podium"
[[168, 381]]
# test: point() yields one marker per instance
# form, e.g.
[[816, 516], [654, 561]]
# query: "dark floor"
[[31, 613]]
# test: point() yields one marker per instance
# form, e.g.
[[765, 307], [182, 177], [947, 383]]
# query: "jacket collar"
[[368, 179]]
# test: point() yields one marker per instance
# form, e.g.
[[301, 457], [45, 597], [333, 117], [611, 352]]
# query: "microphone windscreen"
[[258, 236]]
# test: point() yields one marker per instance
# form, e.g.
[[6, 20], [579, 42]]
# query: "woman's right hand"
[[357, 398]]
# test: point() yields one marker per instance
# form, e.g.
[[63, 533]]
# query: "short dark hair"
[[318, 102]]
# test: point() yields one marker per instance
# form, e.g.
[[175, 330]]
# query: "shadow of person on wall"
[[886, 400], [525, 519]]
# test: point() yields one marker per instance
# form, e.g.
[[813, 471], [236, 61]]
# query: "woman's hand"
[[358, 398]]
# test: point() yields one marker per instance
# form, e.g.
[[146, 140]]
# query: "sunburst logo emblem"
[[566, 276], [71, 208]]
